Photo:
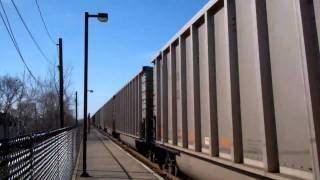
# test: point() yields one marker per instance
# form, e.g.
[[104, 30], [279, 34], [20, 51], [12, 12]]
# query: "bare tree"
[[48, 100], [12, 90], [34, 105]]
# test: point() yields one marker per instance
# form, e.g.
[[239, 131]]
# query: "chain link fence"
[[48, 155]]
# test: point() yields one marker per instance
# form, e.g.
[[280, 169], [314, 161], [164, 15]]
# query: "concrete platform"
[[106, 160]]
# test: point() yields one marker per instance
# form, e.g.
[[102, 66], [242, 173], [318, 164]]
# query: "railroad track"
[[115, 158], [154, 167]]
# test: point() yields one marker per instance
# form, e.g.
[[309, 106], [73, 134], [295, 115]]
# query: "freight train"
[[235, 94]]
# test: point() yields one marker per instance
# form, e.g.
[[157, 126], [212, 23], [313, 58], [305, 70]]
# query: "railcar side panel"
[[202, 52], [164, 99], [252, 109], [190, 92], [224, 108], [167, 57], [290, 101], [250, 74]]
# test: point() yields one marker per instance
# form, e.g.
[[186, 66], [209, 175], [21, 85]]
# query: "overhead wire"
[[30, 34], [7, 20], [49, 36], [44, 23], [11, 35]]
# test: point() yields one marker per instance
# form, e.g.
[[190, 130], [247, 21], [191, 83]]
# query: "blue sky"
[[136, 30]]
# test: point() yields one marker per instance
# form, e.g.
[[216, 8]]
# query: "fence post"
[[31, 155], [5, 168]]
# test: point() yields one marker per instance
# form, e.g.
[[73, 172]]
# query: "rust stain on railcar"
[[225, 142]]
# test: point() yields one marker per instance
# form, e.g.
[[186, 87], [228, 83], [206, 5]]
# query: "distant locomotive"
[[235, 94]]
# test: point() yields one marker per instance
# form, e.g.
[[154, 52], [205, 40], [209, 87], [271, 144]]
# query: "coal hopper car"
[[128, 114], [235, 94]]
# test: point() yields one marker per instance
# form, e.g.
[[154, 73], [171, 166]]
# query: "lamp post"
[[102, 17]]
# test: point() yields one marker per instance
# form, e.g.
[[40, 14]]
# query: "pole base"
[[84, 174]]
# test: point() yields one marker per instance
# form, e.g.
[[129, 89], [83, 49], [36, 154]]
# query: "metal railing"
[[48, 155]]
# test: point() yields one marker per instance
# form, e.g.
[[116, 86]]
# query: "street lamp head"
[[90, 91], [102, 17]]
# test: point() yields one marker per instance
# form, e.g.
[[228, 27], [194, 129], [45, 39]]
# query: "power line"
[[8, 22], [9, 30], [13, 39], [44, 23], [30, 34]]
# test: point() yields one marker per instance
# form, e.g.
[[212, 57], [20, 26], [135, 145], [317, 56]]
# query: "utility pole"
[[76, 108], [61, 83]]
